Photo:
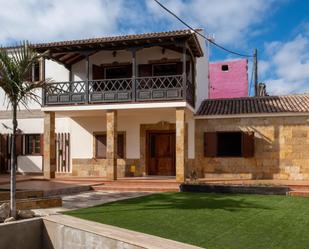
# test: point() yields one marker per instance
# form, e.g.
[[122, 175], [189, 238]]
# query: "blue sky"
[[279, 29]]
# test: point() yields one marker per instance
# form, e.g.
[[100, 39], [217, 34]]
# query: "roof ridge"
[[258, 97], [115, 36], [34, 44], [296, 103]]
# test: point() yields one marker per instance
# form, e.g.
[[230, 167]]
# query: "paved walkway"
[[88, 199]]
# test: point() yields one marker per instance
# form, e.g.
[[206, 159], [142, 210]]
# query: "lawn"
[[212, 220]]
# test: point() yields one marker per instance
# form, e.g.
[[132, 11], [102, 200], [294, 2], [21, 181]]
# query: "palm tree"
[[15, 66]]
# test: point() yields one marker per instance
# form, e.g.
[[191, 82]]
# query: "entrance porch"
[[113, 143]]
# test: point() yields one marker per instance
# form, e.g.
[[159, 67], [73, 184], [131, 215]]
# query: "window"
[[225, 68], [118, 72], [100, 145], [33, 144], [229, 144], [34, 73], [164, 69]]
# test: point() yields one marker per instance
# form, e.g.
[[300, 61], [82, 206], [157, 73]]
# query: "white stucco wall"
[[202, 72], [27, 163], [82, 129], [122, 56], [56, 71]]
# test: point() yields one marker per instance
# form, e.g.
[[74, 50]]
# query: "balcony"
[[124, 90]]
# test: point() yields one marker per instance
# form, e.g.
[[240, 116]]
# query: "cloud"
[[288, 68], [230, 21], [42, 20]]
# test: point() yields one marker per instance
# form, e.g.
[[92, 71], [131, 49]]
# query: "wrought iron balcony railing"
[[138, 89]]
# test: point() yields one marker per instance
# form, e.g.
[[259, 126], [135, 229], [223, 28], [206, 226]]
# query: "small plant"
[[193, 176]]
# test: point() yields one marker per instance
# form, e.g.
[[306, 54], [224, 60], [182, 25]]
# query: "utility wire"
[[197, 32], [251, 80]]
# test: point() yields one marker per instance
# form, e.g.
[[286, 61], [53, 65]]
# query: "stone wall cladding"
[[97, 167], [281, 148]]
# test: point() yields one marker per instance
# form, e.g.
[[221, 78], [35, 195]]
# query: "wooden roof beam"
[[67, 56], [72, 60]]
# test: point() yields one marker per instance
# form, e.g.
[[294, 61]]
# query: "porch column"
[[111, 142], [87, 79], [49, 165], [184, 70], [133, 74], [181, 147]]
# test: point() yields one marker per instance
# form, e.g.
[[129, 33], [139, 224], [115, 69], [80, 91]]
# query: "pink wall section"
[[228, 84]]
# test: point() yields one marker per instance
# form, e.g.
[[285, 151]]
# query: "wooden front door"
[[161, 153]]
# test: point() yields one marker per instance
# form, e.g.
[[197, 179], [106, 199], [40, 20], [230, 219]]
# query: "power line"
[[251, 80], [197, 32]]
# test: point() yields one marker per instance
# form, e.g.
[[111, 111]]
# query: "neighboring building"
[[228, 79], [253, 138], [137, 105]]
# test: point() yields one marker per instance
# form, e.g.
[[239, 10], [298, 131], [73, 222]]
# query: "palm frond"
[[15, 66]]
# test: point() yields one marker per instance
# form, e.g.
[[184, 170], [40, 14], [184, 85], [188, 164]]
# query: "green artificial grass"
[[212, 220]]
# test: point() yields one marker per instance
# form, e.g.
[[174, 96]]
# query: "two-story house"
[[116, 106], [136, 105]]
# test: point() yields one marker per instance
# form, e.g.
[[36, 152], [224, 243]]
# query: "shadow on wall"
[[264, 165], [30, 164], [268, 156]]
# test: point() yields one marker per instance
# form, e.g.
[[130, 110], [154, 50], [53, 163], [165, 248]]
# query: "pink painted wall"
[[228, 84]]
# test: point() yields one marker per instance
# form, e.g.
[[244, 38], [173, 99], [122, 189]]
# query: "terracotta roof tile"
[[251, 105], [174, 33]]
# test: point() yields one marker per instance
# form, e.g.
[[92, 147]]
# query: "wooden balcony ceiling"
[[70, 52]]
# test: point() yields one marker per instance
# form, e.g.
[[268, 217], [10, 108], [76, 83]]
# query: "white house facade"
[[115, 107]]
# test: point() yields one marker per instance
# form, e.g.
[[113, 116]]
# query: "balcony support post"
[[111, 142], [184, 63], [49, 154], [87, 80], [181, 145], [42, 78], [133, 50]]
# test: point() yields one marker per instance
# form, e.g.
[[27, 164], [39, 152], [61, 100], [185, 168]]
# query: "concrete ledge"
[[37, 203], [5, 195], [25, 234], [80, 233], [235, 189]]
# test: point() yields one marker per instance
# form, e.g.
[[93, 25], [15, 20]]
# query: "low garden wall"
[[66, 232]]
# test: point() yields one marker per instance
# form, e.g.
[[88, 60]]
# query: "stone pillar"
[[181, 147], [49, 166], [111, 142]]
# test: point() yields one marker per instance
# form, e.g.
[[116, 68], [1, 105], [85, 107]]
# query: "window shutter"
[[210, 144], [97, 72], [120, 146], [179, 68], [247, 144], [19, 144], [42, 144], [100, 146]]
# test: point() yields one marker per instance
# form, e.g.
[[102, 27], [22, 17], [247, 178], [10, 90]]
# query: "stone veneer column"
[[181, 148], [49, 166], [111, 142]]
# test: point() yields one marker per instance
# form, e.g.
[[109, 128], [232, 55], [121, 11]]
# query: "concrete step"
[[67, 190], [21, 194], [299, 187], [299, 193], [34, 203], [149, 184], [126, 188]]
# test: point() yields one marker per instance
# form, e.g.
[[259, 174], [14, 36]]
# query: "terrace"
[[138, 78]]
